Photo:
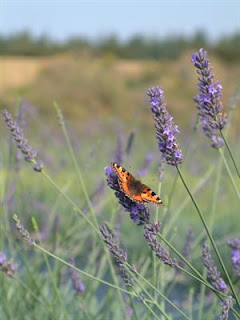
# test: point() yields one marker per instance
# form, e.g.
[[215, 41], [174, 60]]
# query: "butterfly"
[[133, 188]]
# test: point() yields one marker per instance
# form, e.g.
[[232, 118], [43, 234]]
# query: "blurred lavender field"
[[107, 116]]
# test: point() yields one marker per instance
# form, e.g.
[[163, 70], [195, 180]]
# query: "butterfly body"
[[133, 188]]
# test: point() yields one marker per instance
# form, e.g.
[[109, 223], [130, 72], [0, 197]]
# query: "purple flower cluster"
[[119, 254], [208, 100], [77, 284], [7, 266], [138, 212], [235, 245], [22, 143], [150, 235], [165, 127], [227, 304], [213, 273]]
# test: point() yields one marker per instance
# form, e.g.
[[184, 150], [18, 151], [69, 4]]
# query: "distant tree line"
[[137, 47]]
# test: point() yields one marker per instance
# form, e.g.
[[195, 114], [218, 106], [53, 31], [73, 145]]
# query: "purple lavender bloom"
[[208, 100], [3, 258], [138, 212], [213, 273], [22, 143], [227, 304], [235, 245], [150, 235], [165, 127], [77, 284]]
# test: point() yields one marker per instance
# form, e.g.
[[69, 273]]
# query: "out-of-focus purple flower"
[[77, 284], [119, 153], [3, 258], [208, 100], [227, 304], [22, 143], [130, 142], [7, 266], [119, 254], [235, 245], [165, 127], [187, 246], [150, 235], [23, 232], [213, 273], [147, 162], [138, 212]]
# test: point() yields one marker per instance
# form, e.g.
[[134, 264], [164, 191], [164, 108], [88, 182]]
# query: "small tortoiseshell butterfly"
[[133, 188]]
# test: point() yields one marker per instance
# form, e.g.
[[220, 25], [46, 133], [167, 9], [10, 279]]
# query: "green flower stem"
[[81, 271], [210, 237], [159, 292], [45, 257], [77, 209], [144, 302], [74, 160], [211, 221], [230, 153], [229, 173]]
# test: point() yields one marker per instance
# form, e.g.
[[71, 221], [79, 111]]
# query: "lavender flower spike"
[[138, 212], [22, 143], [77, 283], [235, 245], [208, 100], [7, 266], [150, 234], [165, 127], [227, 304], [213, 273], [119, 254]]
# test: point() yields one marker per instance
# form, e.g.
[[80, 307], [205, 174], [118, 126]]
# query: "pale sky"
[[95, 19]]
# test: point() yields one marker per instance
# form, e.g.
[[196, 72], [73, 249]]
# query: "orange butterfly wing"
[[144, 194], [148, 195]]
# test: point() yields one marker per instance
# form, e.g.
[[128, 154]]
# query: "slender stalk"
[[211, 221], [229, 173], [74, 160], [160, 293], [230, 153], [149, 296], [77, 209], [210, 237]]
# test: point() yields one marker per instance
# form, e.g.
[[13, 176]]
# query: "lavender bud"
[[213, 273], [150, 233], [227, 305], [77, 284], [23, 232], [7, 266], [119, 254], [18, 136]]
